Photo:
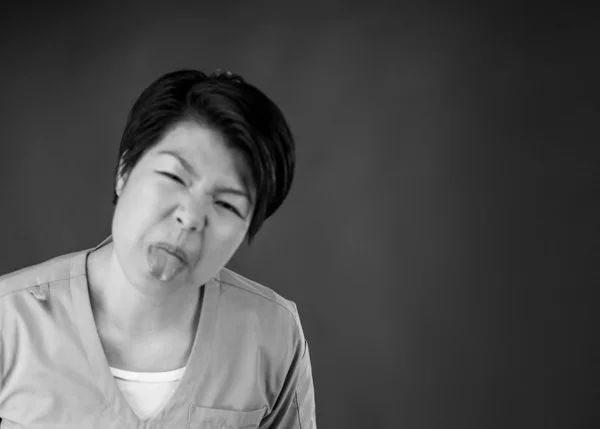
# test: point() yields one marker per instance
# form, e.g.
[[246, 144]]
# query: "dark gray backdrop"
[[442, 232]]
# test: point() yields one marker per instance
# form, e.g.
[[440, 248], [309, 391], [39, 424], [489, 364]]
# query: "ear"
[[121, 180], [120, 185]]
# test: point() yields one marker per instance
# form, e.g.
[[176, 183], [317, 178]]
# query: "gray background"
[[441, 233]]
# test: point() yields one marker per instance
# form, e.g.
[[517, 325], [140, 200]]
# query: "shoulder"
[[253, 314], [255, 291], [56, 269], [250, 297]]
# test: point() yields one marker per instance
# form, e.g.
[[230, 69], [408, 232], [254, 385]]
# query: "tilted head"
[[248, 120], [208, 156]]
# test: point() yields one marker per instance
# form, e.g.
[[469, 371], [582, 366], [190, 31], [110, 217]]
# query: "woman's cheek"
[[140, 204], [152, 196], [229, 234]]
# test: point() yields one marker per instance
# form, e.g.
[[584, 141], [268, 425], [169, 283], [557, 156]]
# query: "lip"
[[178, 252]]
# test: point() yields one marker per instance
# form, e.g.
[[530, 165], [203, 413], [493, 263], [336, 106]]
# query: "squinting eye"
[[172, 177], [228, 207]]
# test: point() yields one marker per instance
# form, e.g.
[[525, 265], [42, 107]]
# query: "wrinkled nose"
[[191, 217]]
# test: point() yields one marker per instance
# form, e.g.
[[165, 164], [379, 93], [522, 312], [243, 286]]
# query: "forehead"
[[205, 149]]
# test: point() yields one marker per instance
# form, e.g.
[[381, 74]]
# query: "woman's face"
[[183, 210]]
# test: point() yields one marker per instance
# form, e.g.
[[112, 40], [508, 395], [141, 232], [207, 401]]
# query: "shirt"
[[249, 366], [147, 392]]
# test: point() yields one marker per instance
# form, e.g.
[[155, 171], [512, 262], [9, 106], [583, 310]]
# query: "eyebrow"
[[181, 160], [235, 191], [190, 169]]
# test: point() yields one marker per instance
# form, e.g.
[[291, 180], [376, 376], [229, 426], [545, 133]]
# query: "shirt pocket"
[[216, 418]]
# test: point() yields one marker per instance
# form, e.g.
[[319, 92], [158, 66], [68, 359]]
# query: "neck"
[[131, 312]]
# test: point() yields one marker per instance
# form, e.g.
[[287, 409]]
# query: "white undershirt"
[[147, 392]]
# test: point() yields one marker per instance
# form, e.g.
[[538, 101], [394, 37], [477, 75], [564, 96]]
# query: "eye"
[[229, 207], [173, 177]]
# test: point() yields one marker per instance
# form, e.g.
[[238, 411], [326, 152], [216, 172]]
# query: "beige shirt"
[[249, 366]]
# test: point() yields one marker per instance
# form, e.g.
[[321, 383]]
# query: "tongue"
[[163, 265]]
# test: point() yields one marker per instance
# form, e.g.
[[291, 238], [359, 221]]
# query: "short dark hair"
[[249, 120]]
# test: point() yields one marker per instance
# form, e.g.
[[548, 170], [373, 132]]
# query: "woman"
[[148, 329]]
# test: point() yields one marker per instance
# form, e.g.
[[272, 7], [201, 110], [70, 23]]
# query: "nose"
[[191, 216]]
